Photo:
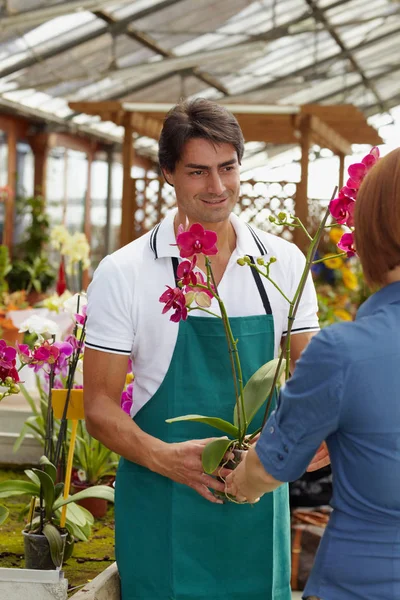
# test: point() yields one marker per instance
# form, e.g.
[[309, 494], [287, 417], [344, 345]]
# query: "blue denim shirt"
[[346, 390]]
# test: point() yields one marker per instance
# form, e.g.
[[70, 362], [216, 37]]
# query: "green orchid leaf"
[[18, 488], [56, 543], [258, 388], [220, 424], [48, 467], [58, 490], [75, 515], [69, 546], [32, 476], [76, 531], [47, 487], [213, 454], [4, 512], [96, 491]]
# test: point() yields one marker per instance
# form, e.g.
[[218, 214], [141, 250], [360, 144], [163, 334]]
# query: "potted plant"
[[31, 269], [94, 464], [47, 543], [194, 292]]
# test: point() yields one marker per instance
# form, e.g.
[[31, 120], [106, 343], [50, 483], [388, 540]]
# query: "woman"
[[346, 390]]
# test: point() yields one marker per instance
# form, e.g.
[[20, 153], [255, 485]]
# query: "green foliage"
[[31, 267], [220, 424], [43, 486], [258, 388], [213, 454], [5, 268], [36, 424], [93, 457]]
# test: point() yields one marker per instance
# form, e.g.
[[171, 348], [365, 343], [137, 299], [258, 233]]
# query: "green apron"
[[171, 543]]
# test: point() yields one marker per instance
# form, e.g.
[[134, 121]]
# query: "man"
[[174, 540]]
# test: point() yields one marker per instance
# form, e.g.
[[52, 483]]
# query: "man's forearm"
[[257, 477], [117, 431]]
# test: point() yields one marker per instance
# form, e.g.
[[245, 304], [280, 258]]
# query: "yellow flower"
[[342, 314], [129, 378], [349, 279], [335, 234], [333, 263]]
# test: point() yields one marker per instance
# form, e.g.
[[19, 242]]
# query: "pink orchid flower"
[[342, 209], [127, 399], [81, 318], [185, 271], [197, 240], [346, 243], [7, 355], [174, 298], [24, 353]]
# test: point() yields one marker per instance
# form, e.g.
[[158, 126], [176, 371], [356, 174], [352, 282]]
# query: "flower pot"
[[37, 551], [75, 405], [97, 506]]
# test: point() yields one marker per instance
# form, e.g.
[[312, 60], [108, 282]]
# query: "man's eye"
[[196, 172]]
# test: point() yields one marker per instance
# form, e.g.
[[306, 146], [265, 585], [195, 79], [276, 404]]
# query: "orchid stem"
[[233, 357]]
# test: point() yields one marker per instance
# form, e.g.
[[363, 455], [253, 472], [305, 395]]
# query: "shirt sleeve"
[[306, 319], [308, 410], [109, 325]]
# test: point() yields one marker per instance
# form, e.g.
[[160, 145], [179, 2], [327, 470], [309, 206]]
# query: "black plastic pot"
[[37, 551]]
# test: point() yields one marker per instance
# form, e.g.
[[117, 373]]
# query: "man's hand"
[[182, 463], [321, 459]]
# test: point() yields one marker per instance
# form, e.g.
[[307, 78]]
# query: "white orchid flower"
[[71, 304], [42, 327]]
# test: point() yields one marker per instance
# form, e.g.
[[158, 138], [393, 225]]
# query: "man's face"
[[206, 181]]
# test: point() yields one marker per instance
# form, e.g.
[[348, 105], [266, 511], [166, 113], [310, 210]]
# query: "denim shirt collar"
[[390, 294]]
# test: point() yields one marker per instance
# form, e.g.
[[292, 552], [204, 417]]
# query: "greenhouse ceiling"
[[286, 52]]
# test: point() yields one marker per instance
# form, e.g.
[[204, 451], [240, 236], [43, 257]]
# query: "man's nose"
[[215, 185]]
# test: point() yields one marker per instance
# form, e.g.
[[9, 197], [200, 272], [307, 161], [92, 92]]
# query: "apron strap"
[[261, 289], [175, 263]]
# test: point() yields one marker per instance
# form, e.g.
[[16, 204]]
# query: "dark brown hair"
[[198, 118], [377, 219]]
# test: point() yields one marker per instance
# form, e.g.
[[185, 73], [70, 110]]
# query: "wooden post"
[[12, 184], [341, 169], [127, 232], [87, 229], [301, 206], [39, 145]]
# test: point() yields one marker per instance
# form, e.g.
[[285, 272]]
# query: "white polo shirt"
[[124, 312]]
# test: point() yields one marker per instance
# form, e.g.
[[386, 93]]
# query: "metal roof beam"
[[319, 16], [318, 64], [146, 40], [353, 86], [373, 109], [118, 27]]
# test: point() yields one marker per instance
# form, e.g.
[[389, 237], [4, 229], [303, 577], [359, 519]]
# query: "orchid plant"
[[195, 292]]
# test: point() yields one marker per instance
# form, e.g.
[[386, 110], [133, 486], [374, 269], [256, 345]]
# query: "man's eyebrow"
[[233, 161]]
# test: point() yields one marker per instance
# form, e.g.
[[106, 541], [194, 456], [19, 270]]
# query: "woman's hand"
[[249, 481]]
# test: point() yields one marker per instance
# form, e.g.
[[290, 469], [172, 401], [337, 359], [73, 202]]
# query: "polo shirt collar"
[[163, 241], [390, 294]]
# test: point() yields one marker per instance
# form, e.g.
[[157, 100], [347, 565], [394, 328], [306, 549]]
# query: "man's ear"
[[168, 177]]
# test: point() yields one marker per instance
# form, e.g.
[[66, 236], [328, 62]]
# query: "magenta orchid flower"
[[342, 209], [7, 355], [24, 353], [346, 243], [197, 240], [8, 369], [185, 271], [127, 399], [174, 298], [81, 318]]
